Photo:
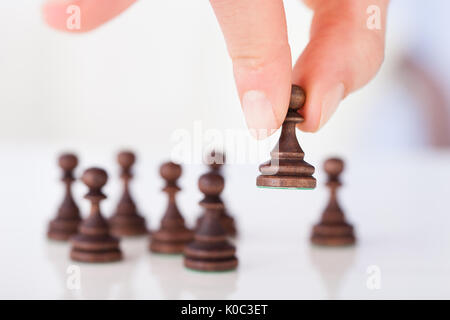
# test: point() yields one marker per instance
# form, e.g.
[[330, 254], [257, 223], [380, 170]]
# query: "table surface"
[[398, 204]]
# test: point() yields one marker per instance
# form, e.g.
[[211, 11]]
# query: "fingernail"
[[259, 114], [331, 102]]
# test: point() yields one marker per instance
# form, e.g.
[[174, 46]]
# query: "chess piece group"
[[96, 239], [207, 248]]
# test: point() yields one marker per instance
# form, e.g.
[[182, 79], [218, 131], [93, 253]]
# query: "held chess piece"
[[126, 221], [287, 169], [333, 229], [210, 251], [68, 218], [93, 243], [215, 161], [173, 235]]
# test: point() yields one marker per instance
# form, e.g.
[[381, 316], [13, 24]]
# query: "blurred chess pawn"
[[333, 229], [94, 243], [173, 235], [210, 250], [126, 220], [68, 218], [215, 161]]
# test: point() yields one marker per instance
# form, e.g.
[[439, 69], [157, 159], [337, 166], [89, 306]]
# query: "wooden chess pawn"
[[126, 220], [333, 229], [94, 243], [215, 161], [173, 235], [210, 250], [287, 169], [68, 218]]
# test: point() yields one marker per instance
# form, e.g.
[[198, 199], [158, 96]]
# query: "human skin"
[[342, 55]]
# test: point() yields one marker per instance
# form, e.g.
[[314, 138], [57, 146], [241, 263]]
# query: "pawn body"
[[333, 229], [126, 221], [94, 243], [210, 250], [173, 234], [68, 218]]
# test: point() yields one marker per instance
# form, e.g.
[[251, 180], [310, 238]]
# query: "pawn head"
[[68, 161], [334, 166], [94, 178], [211, 183], [298, 97], [170, 171], [126, 159]]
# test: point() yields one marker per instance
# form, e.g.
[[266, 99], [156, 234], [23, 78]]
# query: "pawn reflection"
[[168, 269], [212, 286], [57, 254], [332, 264]]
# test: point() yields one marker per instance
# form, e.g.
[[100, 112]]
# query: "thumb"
[[343, 55]]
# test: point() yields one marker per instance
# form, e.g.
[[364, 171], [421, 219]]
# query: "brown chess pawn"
[[126, 220], [333, 229], [173, 234], [210, 251], [93, 243], [287, 169], [215, 161], [68, 218]]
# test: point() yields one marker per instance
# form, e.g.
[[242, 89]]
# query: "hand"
[[343, 54]]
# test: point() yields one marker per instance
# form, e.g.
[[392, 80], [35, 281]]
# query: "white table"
[[398, 204]]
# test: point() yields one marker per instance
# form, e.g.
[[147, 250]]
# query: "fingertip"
[[322, 100], [264, 92]]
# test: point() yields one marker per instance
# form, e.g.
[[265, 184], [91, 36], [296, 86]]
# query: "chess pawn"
[[333, 229], [126, 221], [68, 218], [173, 235], [215, 161], [287, 169], [94, 243], [210, 250]]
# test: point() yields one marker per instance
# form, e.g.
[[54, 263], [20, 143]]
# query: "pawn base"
[[62, 230], [167, 247], [210, 256], [171, 242], [211, 265], [279, 181], [89, 248], [333, 235], [127, 226], [96, 256]]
